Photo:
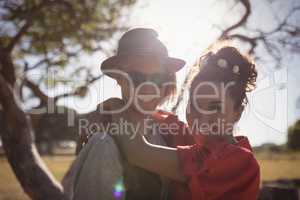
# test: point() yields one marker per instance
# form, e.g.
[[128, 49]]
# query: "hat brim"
[[116, 62]]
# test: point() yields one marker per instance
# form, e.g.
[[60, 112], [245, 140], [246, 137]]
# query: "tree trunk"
[[18, 143]]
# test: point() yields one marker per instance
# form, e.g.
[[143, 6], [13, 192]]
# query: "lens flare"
[[119, 189]]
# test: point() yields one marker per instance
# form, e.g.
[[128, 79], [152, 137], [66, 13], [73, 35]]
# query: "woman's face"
[[211, 109], [144, 85]]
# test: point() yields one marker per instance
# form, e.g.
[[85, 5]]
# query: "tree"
[[38, 37], [293, 141], [282, 38], [43, 35]]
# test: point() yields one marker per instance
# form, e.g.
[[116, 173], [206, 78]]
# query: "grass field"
[[273, 166], [10, 188]]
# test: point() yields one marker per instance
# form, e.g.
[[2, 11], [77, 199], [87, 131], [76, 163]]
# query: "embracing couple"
[[148, 153]]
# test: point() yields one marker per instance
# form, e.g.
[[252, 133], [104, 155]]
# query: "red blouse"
[[219, 170], [215, 168]]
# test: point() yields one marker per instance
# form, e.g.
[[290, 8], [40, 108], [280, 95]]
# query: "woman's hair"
[[227, 64]]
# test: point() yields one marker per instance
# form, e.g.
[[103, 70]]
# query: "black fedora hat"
[[141, 42]]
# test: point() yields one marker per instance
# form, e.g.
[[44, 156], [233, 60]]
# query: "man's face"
[[144, 84]]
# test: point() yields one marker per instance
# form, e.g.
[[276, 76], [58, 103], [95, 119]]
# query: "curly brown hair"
[[228, 64]]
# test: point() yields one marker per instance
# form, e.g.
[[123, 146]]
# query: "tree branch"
[[37, 91], [241, 22], [78, 90], [19, 35], [252, 41], [271, 48]]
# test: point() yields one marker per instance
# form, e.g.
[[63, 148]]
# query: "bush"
[[293, 140]]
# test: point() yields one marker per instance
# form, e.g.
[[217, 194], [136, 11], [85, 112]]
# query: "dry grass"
[[273, 166], [280, 165], [10, 189]]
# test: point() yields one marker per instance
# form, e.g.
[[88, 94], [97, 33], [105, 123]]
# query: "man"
[[146, 75]]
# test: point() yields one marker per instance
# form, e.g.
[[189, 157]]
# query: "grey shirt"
[[100, 172]]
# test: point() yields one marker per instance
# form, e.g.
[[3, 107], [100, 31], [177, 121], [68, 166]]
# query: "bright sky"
[[187, 29]]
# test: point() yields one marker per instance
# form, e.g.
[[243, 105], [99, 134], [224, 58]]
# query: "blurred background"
[[55, 49]]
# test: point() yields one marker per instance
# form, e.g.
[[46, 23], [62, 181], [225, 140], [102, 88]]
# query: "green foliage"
[[59, 24], [293, 141], [53, 32]]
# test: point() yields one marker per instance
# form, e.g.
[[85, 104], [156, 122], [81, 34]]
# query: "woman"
[[146, 75], [218, 165]]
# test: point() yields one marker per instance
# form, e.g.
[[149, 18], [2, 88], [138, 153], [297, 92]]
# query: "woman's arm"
[[155, 158]]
